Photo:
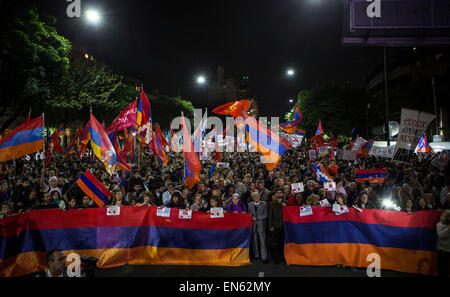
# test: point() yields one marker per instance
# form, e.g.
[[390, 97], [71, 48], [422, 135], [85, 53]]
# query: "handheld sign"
[[223, 165], [113, 211], [216, 212], [163, 212], [312, 154], [324, 203], [340, 209], [185, 214], [330, 186], [305, 210], [322, 151], [298, 188]]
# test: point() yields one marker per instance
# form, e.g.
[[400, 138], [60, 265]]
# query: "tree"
[[34, 60], [339, 110], [165, 109]]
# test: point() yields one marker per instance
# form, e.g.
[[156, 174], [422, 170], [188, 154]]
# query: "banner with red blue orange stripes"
[[137, 237], [405, 242]]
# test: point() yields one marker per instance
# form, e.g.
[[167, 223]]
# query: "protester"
[[236, 206], [258, 210], [276, 226], [363, 202], [443, 244], [56, 262]]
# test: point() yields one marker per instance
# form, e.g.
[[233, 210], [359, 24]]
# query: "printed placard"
[[113, 210], [322, 151], [223, 165], [340, 209], [185, 214], [349, 155], [330, 186], [312, 154], [305, 210], [324, 203], [216, 212], [163, 212], [298, 188]]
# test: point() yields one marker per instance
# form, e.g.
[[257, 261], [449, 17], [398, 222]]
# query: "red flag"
[[56, 146], [127, 118], [161, 139], [233, 108], [84, 139]]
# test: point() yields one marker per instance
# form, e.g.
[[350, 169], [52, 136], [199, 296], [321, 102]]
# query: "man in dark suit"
[[258, 210]]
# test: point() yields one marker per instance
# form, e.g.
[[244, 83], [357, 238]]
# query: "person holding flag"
[[192, 163]]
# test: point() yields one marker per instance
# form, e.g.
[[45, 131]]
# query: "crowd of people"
[[244, 186]]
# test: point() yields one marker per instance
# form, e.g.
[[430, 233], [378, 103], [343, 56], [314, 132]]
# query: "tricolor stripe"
[[371, 175], [136, 237], [93, 188], [405, 242]]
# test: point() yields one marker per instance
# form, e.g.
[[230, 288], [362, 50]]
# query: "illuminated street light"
[[201, 80], [290, 72], [93, 16], [291, 100]]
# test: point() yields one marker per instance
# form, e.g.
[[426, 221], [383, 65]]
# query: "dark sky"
[[168, 43]]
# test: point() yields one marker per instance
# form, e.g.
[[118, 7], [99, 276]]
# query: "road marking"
[[261, 274]]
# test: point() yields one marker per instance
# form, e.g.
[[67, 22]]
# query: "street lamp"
[[291, 100], [290, 72], [93, 16], [201, 80]]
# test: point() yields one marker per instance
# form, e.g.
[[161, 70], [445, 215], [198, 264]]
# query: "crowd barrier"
[[405, 242], [137, 236]]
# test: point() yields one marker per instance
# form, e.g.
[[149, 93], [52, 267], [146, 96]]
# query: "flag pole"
[[43, 128], [139, 144]]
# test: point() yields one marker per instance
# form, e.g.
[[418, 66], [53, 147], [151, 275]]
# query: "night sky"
[[168, 43]]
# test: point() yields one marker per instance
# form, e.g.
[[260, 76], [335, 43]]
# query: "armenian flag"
[[424, 146], [233, 109], [319, 129], [26, 139], [102, 146], [92, 187], [272, 147], [144, 111], [405, 242], [84, 139], [161, 139], [298, 117], [370, 175], [192, 162], [71, 146], [135, 237], [320, 172], [157, 149]]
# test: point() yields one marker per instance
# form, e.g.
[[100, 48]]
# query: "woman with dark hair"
[[364, 202], [177, 201], [408, 205]]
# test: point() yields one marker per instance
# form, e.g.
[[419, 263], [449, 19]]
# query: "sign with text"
[[322, 151], [163, 212], [306, 210], [185, 214], [349, 155], [412, 126], [113, 210], [382, 152], [312, 154], [216, 212], [297, 188], [330, 186], [294, 140]]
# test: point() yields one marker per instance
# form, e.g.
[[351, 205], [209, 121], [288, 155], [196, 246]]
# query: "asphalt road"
[[256, 269]]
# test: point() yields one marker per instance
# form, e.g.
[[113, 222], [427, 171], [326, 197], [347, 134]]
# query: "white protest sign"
[[358, 143], [383, 152], [330, 186], [113, 210], [216, 212], [312, 154], [322, 151], [203, 155], [412, 126], [293, 139], [185, 214], [305, 210], [340, 209], [349, 155], [163, 212], [223, 165], [324, 203], [298, 188]]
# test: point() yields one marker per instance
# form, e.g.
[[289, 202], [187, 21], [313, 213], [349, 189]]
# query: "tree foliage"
[[340, 110], [34, 60]]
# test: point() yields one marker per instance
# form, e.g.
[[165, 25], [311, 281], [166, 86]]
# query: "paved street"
[[256, 269]]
